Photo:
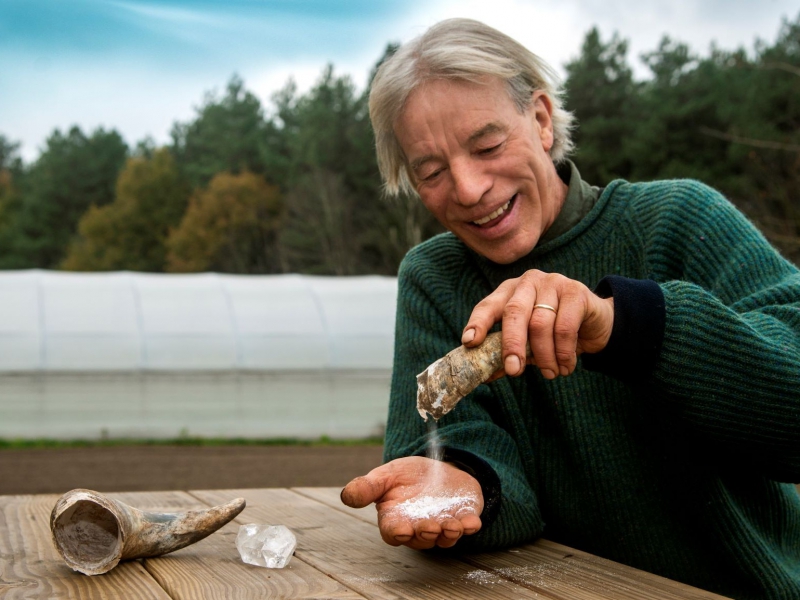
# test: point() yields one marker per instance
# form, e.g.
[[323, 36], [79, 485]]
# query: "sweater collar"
[[581, 198]]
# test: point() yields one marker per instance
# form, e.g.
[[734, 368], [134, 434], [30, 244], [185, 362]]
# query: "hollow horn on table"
[[93, 532]]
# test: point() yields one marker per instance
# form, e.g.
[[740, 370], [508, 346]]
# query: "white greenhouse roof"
[[124, 321]]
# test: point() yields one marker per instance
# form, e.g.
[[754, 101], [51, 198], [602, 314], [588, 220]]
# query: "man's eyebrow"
[[487, 129], [418, 162]]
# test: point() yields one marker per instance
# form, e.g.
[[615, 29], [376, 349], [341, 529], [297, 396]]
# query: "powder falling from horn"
[[93, 532]]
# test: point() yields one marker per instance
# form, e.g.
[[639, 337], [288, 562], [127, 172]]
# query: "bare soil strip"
[[153, 468]]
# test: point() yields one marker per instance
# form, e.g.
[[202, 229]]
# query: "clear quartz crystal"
[[268, 546]]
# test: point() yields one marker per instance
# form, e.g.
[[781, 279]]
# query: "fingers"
[[363, 491], [548, 315], [571, 313], [471, 524], [426, 533], [394, 529], [554, 322], [486, 313], [554, 325], [516, 320], [452, 530], [541, 328]]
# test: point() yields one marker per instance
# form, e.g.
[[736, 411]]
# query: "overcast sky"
[[140, 65]]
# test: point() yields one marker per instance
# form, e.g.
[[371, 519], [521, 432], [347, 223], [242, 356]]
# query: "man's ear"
[[542, 112]]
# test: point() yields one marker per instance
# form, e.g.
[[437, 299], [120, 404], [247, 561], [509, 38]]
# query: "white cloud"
[[176, 16], [550, 29], [555, 29]]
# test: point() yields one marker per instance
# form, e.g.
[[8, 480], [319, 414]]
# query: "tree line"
[[294, 186]]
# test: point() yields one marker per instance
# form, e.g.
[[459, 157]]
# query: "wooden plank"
[[562, 571], [330, 496], [349, 550], [212, 568], [30, 566], [570, 574]]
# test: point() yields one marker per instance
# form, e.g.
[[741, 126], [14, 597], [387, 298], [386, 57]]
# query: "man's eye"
[[432, 175], [489, 150]]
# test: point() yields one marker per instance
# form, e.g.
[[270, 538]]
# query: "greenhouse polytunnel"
[[153, 355]]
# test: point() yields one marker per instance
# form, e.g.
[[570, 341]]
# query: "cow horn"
[[93, 532]]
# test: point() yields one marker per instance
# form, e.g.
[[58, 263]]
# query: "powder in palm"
[[426, 507]]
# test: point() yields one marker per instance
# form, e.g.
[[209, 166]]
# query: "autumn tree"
[[230, 226], [131, 232]]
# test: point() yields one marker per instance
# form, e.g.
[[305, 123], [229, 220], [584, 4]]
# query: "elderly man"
[[660, 426]]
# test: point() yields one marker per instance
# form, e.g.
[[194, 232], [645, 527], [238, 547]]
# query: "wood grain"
[[212, 568], [32, 568], [340, 555], [553, 569], [350, 551], [569, 574], [330, 496]]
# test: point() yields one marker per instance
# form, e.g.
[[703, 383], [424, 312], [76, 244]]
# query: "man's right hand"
[[421, 502], [557, 317]]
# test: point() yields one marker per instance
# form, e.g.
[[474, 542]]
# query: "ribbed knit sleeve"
[[428, 326], [730, 359]]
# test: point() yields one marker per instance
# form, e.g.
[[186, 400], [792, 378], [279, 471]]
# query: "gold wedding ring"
[[544, 306]]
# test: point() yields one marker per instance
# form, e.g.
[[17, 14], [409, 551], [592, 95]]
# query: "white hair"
[[460, 49]]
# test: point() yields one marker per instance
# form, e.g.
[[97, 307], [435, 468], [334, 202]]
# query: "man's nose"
[[470, 182]]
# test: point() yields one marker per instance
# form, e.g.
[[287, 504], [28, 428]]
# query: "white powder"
[[482, 577], [435, 450], [426, 507]]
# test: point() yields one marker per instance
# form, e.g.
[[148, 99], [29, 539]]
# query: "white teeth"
[[494, 215]]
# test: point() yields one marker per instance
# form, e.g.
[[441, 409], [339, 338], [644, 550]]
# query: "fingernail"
[[548, 374], [468, 336], [428, 535], [512, 364], [402, 538], [564, 371]]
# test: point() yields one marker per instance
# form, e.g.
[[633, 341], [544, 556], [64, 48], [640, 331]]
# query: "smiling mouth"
[[492, 216]]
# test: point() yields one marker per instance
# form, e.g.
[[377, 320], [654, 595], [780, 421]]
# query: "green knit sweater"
[[672, 453]]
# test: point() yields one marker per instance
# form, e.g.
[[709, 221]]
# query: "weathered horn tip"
[[228, 511], [238, 503]]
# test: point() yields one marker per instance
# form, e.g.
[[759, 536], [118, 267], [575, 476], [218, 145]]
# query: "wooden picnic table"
[[339, 555]]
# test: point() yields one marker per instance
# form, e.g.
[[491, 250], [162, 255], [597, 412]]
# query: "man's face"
[[481, 167]]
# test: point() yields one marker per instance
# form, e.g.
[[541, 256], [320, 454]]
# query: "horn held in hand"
[[444, 383], [93, 532]]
